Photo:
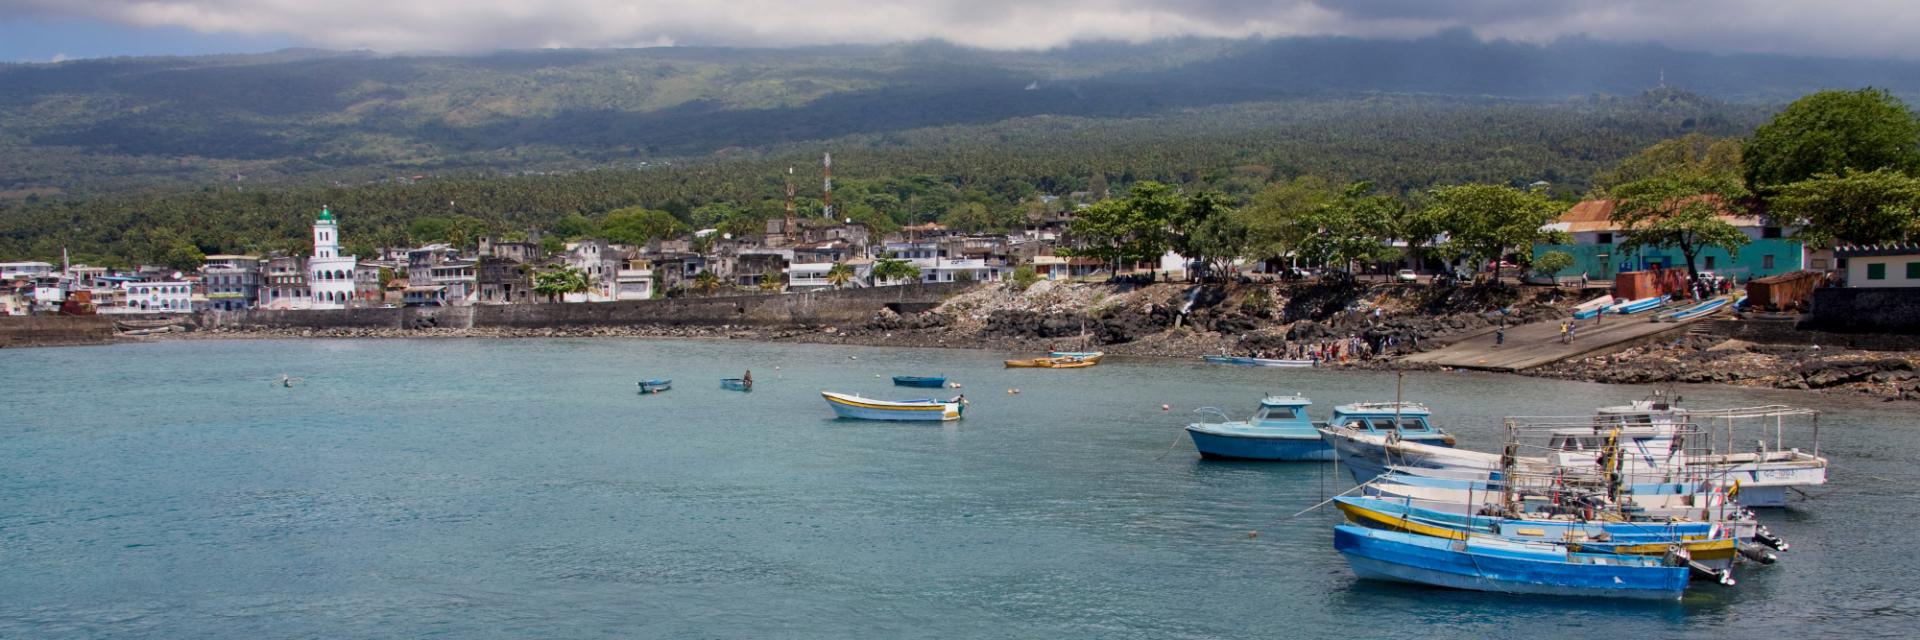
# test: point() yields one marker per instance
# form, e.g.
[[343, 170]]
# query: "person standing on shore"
[[1573, 331], [1563, 333], [1499, 336]]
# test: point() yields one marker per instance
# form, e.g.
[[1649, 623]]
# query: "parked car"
[[1502, 265], [1406, 275]]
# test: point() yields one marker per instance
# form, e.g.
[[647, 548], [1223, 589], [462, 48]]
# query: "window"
[[1277, 413], [1710, 263], [1913, 271], [1770, 232], [1877, 271], [1603, 238], [1766, 262]]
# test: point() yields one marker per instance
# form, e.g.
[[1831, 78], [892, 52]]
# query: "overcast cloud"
[[1874, 28]]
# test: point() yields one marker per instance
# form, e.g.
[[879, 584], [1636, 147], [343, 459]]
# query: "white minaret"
[[326, 235], [329, 274]]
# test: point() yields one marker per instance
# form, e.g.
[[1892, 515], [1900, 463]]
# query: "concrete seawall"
[[53, 331], [845, 307]]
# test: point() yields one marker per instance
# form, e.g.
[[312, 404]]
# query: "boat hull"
[[916, 381], [735, 384], [857, 408], [1256, 362], [655, 386], [1287, 448], [1402, 557]]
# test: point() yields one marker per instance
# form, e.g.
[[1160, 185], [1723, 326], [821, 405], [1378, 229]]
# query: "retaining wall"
[[1864, 310], [52, 330]]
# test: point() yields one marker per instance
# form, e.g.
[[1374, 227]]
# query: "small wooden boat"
[[1703, 308], [1592, 307], [1090, 356], [1244, 361], [1051, 363], [920, 381], [932, 410], [736, 384], [1485, 563], [1711, 546], [655, 385]]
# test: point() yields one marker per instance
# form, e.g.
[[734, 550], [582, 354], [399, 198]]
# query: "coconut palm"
[[706, 283], [840, 275], [772, 280]]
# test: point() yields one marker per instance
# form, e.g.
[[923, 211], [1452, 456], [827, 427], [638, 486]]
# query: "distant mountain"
[[128, 122]]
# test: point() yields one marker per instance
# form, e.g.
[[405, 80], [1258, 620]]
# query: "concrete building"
[[634, 281], [601, 262], [11, 270], [503, 281], [233, 282], [284, 285], [1597, 252], [330, 276], [1881, 266], [809, 276], [161, 297]]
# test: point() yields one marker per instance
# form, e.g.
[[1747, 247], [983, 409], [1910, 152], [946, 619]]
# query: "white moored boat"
[[932, 410]]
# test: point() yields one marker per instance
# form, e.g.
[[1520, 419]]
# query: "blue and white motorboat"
[[655, 385], [931, 410], [1280, 430], [1592, 307], [1360, 433], [737, 384], [1485, 563]]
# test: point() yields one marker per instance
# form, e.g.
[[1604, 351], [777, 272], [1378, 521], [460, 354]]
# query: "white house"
[[634, 281], [12, 270], [160, 297], [808, 276], [329, 274], [1881, 266]]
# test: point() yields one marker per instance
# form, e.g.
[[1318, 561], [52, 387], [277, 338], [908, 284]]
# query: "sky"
[[53, 30]]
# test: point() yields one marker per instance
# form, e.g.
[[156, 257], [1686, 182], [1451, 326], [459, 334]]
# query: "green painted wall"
[[1601, 262]]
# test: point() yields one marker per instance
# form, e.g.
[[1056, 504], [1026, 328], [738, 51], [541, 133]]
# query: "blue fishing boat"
[[1279, 430], [1631, 307], [932, 410], [655, 385], [919, 381], [1483, 563], [736, 384], [1711, 546], [1244, 361], [1702, 308], [1592, 307], [1360, 432]]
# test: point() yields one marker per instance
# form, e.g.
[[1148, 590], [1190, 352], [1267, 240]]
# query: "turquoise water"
[[520, 488]]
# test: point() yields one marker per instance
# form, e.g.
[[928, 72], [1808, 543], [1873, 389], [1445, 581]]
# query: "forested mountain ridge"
[[123, 123]]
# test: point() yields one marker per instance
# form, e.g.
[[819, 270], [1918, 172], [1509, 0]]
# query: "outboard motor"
[[1756, 553], [1763, 536]]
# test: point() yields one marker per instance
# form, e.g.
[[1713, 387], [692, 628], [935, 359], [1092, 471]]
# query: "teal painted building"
[[1597, 250]]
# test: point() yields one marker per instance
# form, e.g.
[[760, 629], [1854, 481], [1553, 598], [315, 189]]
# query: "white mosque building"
[[329, 274]]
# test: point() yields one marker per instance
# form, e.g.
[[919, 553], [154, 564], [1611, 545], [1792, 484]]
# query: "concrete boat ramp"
[[1538, 343]]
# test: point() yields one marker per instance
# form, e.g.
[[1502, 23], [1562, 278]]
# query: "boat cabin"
[[1378, 418], [1283, 411]]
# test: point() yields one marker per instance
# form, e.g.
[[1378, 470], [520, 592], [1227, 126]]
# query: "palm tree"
[[553, 284], [772, 280], [840, 274], [893, 270], [706, 282]]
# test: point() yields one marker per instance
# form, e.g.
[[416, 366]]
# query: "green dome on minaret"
[[326, 213]]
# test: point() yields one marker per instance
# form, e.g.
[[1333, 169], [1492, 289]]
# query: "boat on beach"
[[1245, 361], [736, 384], [655, 385], [847, 405], [1592, 307], [1631, 307], [1279, 430], [1486, 563], [920, 381]]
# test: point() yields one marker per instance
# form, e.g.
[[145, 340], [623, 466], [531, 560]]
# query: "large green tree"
[[1691, 153], [1204, 230], [1867, 207], [1353, 228], [1125, 230], [1833, 132], [1484, 222], [1277, 219], [1682, 211]]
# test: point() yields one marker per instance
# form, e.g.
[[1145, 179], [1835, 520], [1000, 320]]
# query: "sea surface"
[[521, 489]]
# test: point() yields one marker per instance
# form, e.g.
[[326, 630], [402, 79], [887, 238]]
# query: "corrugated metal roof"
[[1597, 215]]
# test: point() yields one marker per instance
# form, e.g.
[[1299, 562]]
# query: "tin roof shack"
[[1783, 293]]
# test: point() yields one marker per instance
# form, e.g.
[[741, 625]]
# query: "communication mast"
[[826, 164]]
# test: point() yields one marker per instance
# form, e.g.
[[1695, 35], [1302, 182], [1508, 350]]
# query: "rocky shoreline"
[[1183, 321]]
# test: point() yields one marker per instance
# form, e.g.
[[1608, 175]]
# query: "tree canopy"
[[1487, 222], [1867, 207], [1681, 210], [1833, 132]]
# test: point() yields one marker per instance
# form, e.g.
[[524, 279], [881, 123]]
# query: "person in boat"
[[748, 378]]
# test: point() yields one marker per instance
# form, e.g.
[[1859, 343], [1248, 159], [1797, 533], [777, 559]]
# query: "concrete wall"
[[1786, 332], [51, 330], [845, 307], [1843, 310]]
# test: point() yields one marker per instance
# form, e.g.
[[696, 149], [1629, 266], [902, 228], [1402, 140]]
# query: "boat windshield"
[[1277, 413], [1577, 443]]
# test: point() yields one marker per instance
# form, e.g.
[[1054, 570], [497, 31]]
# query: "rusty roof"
[[1597, 215]]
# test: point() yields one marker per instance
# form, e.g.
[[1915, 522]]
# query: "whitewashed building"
[[160, 297], [329, 274], [12, 270], [1881, 266]]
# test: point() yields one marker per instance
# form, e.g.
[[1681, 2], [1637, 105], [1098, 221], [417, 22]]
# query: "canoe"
[[736, 384], [1244, 361], [655, 385], [1631, 307], [1484, 563], [1090, 356], [1051, 363], [1592, 307], [859, 408], [919, 381]]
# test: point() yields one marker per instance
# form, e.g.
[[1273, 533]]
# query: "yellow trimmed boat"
[[1063, 362], [932, 410]]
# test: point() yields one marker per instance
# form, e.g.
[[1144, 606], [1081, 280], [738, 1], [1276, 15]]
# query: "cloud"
[[1871, 28]]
